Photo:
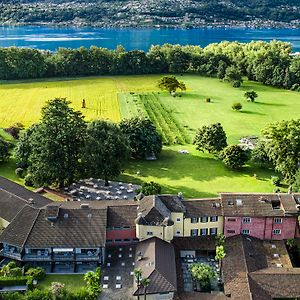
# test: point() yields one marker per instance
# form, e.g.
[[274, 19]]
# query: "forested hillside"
[[121, 13]]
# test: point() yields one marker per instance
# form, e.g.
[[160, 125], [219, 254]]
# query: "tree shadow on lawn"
[[175, 166], [269, 104], [249, 112]]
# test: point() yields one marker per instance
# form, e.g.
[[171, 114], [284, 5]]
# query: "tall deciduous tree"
[[105, 151], [55, 145], [171, 84], [143, 138], [234, 76], [282, 145], [211, 138], [202, 273]]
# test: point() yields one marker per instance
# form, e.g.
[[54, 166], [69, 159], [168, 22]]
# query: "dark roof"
[[246, 204], [14, 197], [18, 230], [247, 274], [157, 264], [152, 211], [121, 215], [172, 202], [83, 227], [203, 207]]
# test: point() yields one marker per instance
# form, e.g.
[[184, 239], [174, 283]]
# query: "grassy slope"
[[72, 282], [196, 174]]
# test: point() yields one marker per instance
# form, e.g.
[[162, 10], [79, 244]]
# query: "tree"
[[145, 282], [260, 157], [250, 95], [171, 84], [150, 188], [220, 254], [220, 239], [105, 151], [55, 145], [92, 281], [203, 274], [138, 278], [234, 156], [237, 106], [211, 138], [4, 149], [282, 145], [233, 76], [143, 138], [296, 182]]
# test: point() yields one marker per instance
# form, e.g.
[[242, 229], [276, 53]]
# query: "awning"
[[63, 249]]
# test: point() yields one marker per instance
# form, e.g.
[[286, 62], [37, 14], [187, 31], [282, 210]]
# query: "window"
[[194, 232], [178, 232], [126, 227], [194, 220], [178, 220], [230, 202], [231, 219], [203, 231], [149, 233], [277, 231], [278, 220], [213, 231], [109, 241], [204, 219], [127, 240], [117, 227], [230, 231], [214, 219], [245, 231], [246, 220], [118, 240], [275, 204]]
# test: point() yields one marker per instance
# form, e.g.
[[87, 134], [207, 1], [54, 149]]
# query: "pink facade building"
[[264, 216]]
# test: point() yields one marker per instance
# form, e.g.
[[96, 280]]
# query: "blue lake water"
[[51, 38]]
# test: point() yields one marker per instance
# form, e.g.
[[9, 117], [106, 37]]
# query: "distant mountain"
[[184, 13]]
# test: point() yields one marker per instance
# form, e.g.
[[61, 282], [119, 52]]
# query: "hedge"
[[12, 281]]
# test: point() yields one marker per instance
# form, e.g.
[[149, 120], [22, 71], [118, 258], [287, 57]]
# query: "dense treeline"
[[269, 63]]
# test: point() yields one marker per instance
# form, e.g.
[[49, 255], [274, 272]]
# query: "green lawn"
[[73, 282], [196, 174]]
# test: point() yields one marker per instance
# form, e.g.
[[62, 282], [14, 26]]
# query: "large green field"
[[113, 98]]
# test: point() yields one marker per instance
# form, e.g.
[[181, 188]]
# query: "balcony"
[[87, 257], [63, 257], [10, 254], [35, 257]]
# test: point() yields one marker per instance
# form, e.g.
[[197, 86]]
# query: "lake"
[[51, 38]]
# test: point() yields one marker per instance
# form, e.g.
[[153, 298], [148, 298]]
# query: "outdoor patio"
[[95, 189]]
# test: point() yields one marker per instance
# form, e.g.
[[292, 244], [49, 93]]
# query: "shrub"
[[28, 180], [37, 273], [149, 188], [14, 130], [295, 87], [11, 281], [208, 100], [234, 156], [237, 106], [275, 180], [236, 84], [19, 172], [4, 149], [38, 295], [58, 290]]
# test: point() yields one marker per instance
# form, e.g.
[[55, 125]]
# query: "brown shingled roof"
[[203, 207], [158, 264], [14, 197], [84, 227], [247, 204], [18, 230], [121, 215]]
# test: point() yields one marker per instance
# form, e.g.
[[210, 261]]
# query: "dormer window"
[[275, 204], [230, 203]]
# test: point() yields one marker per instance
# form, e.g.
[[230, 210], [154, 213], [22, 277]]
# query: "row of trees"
[[278, 148], [63, 147], [269, 63]]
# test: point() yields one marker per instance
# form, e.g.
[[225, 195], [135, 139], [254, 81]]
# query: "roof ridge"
[[245, 262], [33, 223]]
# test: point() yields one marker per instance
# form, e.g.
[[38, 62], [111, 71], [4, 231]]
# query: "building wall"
[[168, 296], [188, 225], [178, 219], [261, 227], [121, 234], [163, 232]]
